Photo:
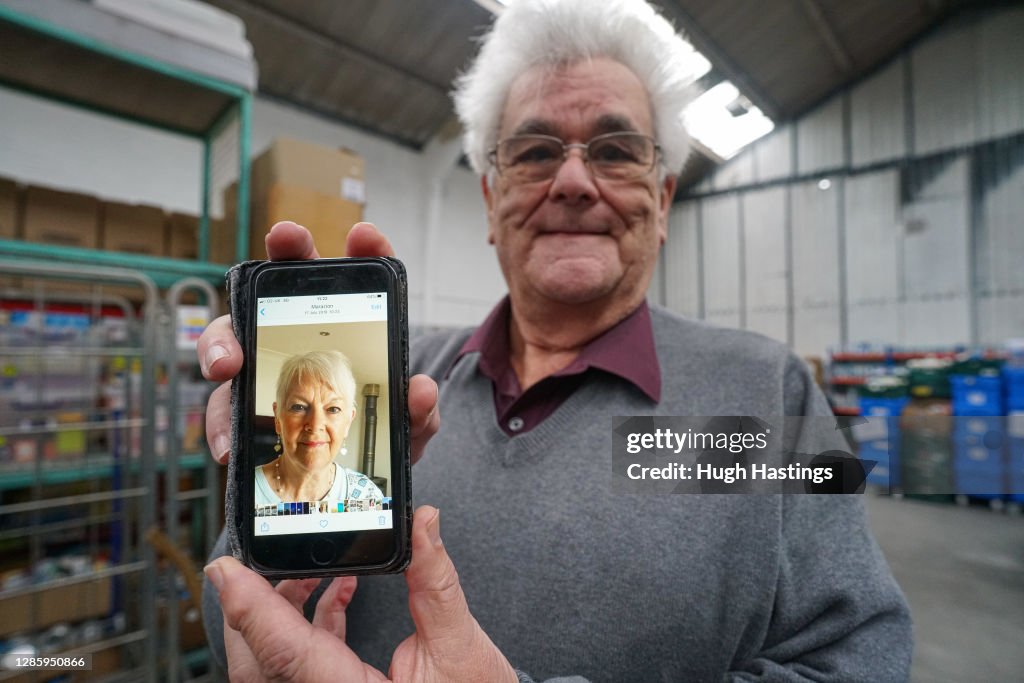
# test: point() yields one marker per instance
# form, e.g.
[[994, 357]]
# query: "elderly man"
[[571, 114]]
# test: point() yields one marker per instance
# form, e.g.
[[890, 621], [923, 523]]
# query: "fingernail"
[[213, 354], [215, 574], [437, 401], [221, 447], [434, 529]]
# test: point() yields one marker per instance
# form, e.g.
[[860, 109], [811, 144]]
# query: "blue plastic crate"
[[870, 405], [1013, 383], [1015, 400], [875, 408], [977, 395], [992, 428], [980, 485], [977, 458], [886, 472]]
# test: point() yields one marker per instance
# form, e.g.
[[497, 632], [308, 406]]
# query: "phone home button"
[[322, 551]]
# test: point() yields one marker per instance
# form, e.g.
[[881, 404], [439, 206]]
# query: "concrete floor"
[[962, 569]]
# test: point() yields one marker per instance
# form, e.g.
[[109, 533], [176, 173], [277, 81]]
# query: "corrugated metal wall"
[[764, 262], [874, 258], [681, 262], [720, 220], [916, 238]]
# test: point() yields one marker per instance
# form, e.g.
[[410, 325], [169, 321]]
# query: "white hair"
[[329, 368], [532, 33]]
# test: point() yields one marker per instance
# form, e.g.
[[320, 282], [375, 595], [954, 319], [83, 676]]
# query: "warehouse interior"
[[853, 190]]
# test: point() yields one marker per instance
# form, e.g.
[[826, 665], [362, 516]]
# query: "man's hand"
[[220, 355], [267, 638]]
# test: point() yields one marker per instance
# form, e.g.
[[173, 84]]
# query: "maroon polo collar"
[[626, 350]]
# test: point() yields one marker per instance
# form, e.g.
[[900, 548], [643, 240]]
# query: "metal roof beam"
[[842, 58], [325, 39], [720, 59]]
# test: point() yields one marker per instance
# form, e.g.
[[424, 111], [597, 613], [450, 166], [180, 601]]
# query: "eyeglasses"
[[613, 156]]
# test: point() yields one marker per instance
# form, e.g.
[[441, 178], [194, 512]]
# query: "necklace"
[[279, 487]]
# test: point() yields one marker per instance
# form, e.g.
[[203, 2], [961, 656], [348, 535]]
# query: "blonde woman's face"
[[313, 423]]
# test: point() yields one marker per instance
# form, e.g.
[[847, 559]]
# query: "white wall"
[[917, 242], [466, 278], [46, 143]]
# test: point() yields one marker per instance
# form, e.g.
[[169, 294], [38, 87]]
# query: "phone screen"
[[322, 414], [323, 449]]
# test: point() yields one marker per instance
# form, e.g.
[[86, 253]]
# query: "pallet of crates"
[[979, 432], [926, 428]]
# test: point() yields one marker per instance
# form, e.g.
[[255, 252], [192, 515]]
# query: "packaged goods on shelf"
[[59, 600], [67, 219], [929, 377]]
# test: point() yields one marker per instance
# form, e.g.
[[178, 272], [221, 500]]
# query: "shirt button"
[[516, 423]]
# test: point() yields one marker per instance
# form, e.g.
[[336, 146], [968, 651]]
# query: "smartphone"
[[322, 462]]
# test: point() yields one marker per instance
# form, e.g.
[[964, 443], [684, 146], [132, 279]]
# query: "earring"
[[344, 449], [277, 446]]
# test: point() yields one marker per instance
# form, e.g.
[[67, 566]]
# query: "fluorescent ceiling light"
[[724, 121]]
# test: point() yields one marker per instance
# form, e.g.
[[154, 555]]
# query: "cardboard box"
[[134, 228], [9, 220], [183, 236], [10, 224], [321, 188], [62, 218], [222, 240], [71, 602]]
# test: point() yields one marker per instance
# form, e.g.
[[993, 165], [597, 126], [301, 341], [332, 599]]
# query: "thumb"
[[364, 239], [436, 601], [266, 632]]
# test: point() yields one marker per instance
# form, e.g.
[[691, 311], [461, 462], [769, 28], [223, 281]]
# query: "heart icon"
[[323, 523]]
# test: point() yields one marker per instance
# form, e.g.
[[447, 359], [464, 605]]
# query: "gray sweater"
[[570, 578]]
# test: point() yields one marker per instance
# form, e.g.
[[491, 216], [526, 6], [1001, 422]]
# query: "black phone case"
[[238, 279]]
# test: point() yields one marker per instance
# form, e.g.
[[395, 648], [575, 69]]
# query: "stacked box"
[[182, 236], [66, 219], [321, 188], [9, 219], [134, 228], [10, 223]]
